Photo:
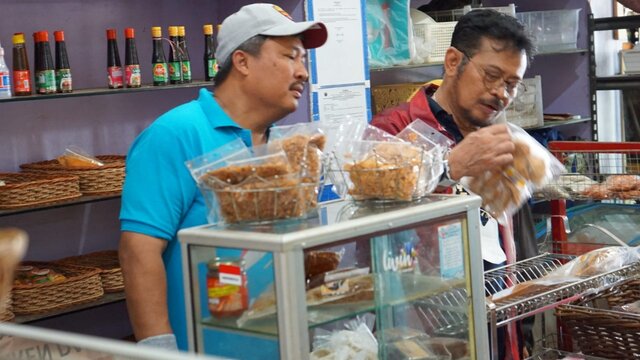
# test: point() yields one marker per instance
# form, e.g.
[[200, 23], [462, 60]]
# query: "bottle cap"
[[44, 36], [181, 31], [207, 29], [129, 33], [111, 34], [173, 31], [36, 36], [156, 32], [18, 38], [1, 50], [59, 35]]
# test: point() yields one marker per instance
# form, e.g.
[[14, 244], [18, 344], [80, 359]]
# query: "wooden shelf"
[[106, 91], [77, 201], [108, 298]]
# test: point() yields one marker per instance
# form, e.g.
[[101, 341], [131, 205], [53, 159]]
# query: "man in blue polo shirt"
[[261, 52]]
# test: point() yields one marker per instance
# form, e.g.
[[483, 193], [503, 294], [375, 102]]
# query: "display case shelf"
[[76, 201], [108, 298], [547, 354], [105, 91], [404, 288]]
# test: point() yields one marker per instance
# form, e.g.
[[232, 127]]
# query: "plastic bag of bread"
[[504, 191], [75, 157], [13, 245], [257, 184], [356, 341], [435, 145], [598, 261]]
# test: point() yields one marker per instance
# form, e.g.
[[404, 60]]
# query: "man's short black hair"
[[477, 24]]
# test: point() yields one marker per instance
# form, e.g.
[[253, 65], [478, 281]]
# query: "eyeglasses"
[[493, 79]]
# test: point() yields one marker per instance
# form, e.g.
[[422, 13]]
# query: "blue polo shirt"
[[160, 197]]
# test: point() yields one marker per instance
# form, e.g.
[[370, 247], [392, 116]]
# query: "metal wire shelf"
[[553, 354], [515, 308]]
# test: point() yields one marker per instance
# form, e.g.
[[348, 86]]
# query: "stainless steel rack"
[[552, 354]]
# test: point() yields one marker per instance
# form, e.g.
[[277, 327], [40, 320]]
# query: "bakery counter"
[[404, 278]]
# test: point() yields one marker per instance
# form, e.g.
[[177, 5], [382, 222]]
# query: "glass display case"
[[299, 289]]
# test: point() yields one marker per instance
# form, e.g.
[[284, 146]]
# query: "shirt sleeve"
[[158, 188]]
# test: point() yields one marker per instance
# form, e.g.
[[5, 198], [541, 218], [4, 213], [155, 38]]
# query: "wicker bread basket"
[[82, 284], [105, 180], [107, 262], [603, 332], [7, 315], [23, 190]]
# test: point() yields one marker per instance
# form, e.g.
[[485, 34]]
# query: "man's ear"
[[452, 59], [240, 61]]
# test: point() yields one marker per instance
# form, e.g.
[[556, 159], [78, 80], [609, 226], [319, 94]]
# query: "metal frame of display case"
[[288, 257], [121, 349]]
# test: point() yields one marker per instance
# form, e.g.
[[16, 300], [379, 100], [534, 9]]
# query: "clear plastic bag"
[[503, 192], [257, 184], [303, 143], [389, 32], [435, 145], [75, 157], [355, 343]]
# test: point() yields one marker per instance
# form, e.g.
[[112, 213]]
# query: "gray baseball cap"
[[265, 19]]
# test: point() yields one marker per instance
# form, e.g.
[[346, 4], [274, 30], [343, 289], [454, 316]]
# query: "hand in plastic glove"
[[164, 341], [489, 148]]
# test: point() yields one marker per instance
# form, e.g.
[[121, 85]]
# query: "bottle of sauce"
[[21, 72], [175, 57], [45, 69], [210, 64], [131, 64], [63, 70], [114, 66], [160, 71], [186, 62], [5, 78]]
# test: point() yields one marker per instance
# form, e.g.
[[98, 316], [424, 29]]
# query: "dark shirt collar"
[[445, 119]]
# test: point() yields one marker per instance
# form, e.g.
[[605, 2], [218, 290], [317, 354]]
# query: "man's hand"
[[489, 148], [145, 284]]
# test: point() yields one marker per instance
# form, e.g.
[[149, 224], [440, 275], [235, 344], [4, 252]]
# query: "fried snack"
[[389, 172], [597, 192], [275, 198], [623, 182], [303, 153], [597, 261], [629, 195], [522, 290], [320, 262], [30, 275], [13, 244], [235, 174]]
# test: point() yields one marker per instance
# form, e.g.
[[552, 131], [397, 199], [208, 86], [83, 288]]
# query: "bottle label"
[[46, 81], [132, 75], [5, 84], [22, 81], [212, 67], [63, 79], [160, 73], [186, 71], [175, 71], [115, 77]]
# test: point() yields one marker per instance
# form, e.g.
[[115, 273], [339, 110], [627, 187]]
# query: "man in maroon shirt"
[[483, 71]]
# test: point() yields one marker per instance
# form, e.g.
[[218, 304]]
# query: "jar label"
[[132, 75], [115, 76], [22, 81], [186, 70], [230, 274], [63, 79], [160, 73], [46, 81], [212, 67], [175, 71]]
